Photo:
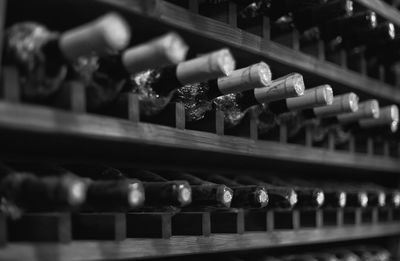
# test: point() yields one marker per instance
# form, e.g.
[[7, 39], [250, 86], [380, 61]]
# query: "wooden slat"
[[37, 119], [178, 245], [3, 6], [383, 9], [292, 60]]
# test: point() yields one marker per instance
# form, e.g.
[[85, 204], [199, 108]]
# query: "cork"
[[291, 85], [165, 50], [106, 34], [344, 103], [206, 67], [366, 109], [255, 76], [314, 97], [388, 115]]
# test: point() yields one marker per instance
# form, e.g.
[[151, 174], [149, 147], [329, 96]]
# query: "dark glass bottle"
[[205, 193], [244, 196], [44, 58]]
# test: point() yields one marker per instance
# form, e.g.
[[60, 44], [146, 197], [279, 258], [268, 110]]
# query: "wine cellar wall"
[[199, 129]]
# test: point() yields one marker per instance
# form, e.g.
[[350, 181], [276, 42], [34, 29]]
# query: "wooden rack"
[[34, 132]]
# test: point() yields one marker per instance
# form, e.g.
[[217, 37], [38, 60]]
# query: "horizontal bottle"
[[161, 192], [366, 109], [43, 57], [27, 192], [198, 97], [371, 37], [314, 97], [155, 88], [315, 15], [235, 106], [393, 198], [244, 196], [302, 257], [356, 198], [307, 197], [388, 116], [105, 77], [279, 196], [204, 193], [344, 26]]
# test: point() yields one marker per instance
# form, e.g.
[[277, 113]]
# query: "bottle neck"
[[167, 81], [213, 91], [246, 100]]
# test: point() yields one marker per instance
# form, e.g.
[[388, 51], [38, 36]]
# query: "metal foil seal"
[[23, 48], [230, 108], [195, 99], [150, 101]]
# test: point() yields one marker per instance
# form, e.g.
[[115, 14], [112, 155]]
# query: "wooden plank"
[[37, 119], [383, 9], [3, 7], [179, 245]]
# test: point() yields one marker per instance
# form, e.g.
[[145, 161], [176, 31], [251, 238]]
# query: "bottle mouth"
[[225, 196], [391, 30], [175, 48], [293, 198], [381, 199], [374, 108], [264, 73], [327, 94], [353, 102], [262, 197], [320, 198], [116, 30], [77, 192], [373, 20], [349, 7], [136, 195], [297, 84], [363, 199], [396, 199], [226, 62], [185, 194], [342, 199]]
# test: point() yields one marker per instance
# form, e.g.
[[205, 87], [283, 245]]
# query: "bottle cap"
[[225, 195], [314, 97], [77, 188], [342, 199], [341, 104], [210, 66], [366, 109], [262, 197], [106, 34], [291, 85], [293, 198], [363, 199], [163, 51], [136, 194], [251, 77], [388, 115], [185, 193]]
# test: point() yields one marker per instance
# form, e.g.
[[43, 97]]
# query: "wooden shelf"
[[179, 245], [37, 128], [254, 48]]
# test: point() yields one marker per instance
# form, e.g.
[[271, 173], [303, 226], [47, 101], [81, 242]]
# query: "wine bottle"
[[366, 37], [43, 57], [393, 198], [344, 26], [155, 88], [316, 15], [198, 97], [388, 118], [235, 106], [285, 111], [204, 193], [302, 257], [105, 77], [279, 196], [322, 256], [344, 254], [244, 196], [27, 192], [160, 192], [356, 198], [307, 197], [376, 194]]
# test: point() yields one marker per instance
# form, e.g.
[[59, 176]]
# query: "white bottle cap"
[[366, 109], [104, 35], [254, 76], [314, 97], [388, 115], [291, 85], [341, 104], [206, 67], [163, 51]]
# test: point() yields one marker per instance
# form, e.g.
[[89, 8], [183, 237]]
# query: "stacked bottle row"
[[346, 253], [99, 189], [95, 56], [343, 26]]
